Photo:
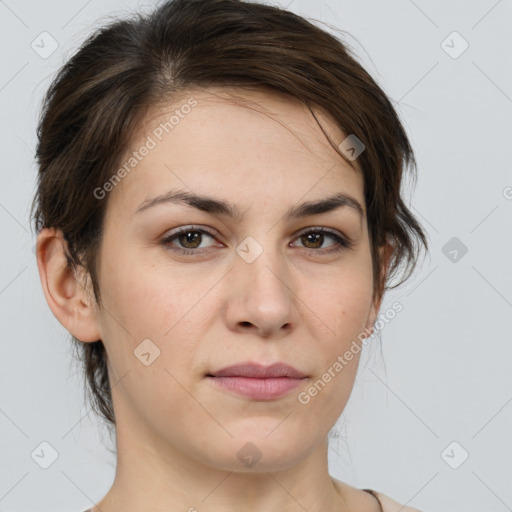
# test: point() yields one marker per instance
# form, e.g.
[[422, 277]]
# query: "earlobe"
[[67, 297]]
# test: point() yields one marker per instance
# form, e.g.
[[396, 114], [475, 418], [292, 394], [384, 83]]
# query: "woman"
[[219, 215]]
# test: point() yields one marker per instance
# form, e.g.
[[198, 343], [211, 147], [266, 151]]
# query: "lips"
[[256, 381], [257, 371]]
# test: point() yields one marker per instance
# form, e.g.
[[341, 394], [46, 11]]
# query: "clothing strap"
[[374, 494]]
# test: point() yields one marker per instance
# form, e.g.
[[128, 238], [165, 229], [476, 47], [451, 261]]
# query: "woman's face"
[[262, 286]]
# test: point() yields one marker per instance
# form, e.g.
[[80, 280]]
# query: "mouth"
[[257, 381]]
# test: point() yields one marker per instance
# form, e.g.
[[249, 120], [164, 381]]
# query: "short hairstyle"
[[99, 98]]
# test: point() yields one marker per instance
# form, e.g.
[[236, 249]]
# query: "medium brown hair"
[[99, 98]]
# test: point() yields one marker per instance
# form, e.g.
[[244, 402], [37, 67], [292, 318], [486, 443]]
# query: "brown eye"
[[187, 240], [190, 239], [314, 239]]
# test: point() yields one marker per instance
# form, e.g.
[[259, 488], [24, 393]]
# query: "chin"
[[258, 454]]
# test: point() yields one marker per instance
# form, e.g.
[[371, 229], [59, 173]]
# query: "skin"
[[178, 434]]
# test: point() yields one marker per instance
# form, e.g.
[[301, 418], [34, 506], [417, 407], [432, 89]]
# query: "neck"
[[163, 479]]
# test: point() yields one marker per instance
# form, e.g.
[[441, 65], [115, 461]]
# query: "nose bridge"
[[263, 293], [263, 262]]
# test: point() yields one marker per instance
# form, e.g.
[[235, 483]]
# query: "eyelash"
[[341, 242]]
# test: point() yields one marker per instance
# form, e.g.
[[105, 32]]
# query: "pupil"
[[317, 237], [189, 237]]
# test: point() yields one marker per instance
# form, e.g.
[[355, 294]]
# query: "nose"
[[261, 298]]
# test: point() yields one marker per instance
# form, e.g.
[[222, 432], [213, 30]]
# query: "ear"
[[385, 251], [69, 299]]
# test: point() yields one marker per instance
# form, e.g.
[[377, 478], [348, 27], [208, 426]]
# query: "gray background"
[[444, 372]]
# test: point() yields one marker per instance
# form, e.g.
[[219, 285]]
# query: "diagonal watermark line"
[[76, 424], [4, 4], [508, 508], [17, 426], [13, 217], [492, 81], [217, 486], [492, 418], [14, 76], [24, 142], [410, 409], [416, 84], [199, 403], [286, 491], [13, 279], [76, 14], [117, 321], [405, 504], [301, 300], [80, 420], [88, 497], [14, 485], [425, 14], [424, 218], [488, 282], [484, 218], [485, 15], [185, 314], [428, 275], [279, 424]]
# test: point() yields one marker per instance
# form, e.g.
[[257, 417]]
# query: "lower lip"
[[259, 389]]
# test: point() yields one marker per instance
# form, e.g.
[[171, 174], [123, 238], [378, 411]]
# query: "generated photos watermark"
[[304, 397], [150, 143]]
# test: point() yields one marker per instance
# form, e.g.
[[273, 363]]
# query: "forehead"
[[227, 138], [252, 110]]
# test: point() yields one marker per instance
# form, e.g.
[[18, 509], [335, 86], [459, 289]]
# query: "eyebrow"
[[221, 207]]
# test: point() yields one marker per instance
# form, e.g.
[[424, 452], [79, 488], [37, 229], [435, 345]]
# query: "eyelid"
[[321, 229], [166, 239], [342, 241], [212, 232], [191, 227]]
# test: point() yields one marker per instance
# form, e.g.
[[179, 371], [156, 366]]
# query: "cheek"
[[343, 302], [344, 310], [173, 309], [148, 299]]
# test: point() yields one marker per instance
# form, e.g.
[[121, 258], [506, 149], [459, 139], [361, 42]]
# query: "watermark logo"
[[44, 455], [44, 45], [352, 147], [249, 249], [455, 455], [249, 455], [454, 249], [146, 352], [454, 45]]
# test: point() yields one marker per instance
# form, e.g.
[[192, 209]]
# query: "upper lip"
[[259, 371]]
